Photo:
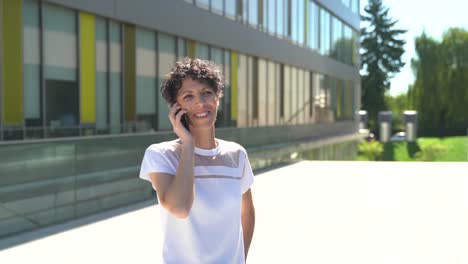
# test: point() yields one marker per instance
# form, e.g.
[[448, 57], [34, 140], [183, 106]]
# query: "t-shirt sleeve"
[[154, 161], [248, 176]]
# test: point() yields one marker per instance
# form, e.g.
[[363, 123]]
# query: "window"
[[252, 90], [230, 10], [242, 87], [294, 93], [31, 70], [300, 22], [280, 18], [324, 32], [146, 86], [294, 20], [271, 24], [102, 83], [217, 56], [355, 6], [287, 93], [313, 20], [227, 88], [272, 90], [217, 6], [253, 13], [167, 57], [262, 102], [115, 76], [202, 51], [60, 71], [337, 39], [181, 48], [205, 4]]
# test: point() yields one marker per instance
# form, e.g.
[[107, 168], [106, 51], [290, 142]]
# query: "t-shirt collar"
[[208, 152]]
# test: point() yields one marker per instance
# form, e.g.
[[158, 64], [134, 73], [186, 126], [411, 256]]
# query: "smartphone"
[[184, 120]]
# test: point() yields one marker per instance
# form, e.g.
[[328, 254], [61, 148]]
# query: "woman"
[[203, 183]]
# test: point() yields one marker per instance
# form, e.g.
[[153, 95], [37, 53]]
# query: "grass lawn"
[[425, 149]]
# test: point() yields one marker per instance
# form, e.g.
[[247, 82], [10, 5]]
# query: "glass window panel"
[[166, 45], [346, 3], [307, 97], [286, 19], [355, 6], [293, 17], [181, 48], [242, 87], [278, 94], [348, 45], [252, 91], [205, 4], [230, 10], [271, 93], [101, 74], [217, 6], [271, 5], [60, 71], [313, 34], [335, 38], [287, 93], [115, 77], [202, 51], [262, 93], [300, 96], [301, 22], [280, 18], [60, 47], [253, 13], [324, 32], [245, 7], [217, 57], [146, 86], [355, 52], [227, 87], [294, 92], [31, 77]]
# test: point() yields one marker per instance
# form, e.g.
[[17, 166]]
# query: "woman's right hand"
[[175, 116]]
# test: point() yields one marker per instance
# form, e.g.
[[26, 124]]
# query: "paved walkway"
[[309, 212]]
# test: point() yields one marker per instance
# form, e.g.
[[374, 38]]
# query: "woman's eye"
[[208, 93], [188, 97]]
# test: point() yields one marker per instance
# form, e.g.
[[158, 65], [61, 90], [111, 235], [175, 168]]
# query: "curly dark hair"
[[204, 71]]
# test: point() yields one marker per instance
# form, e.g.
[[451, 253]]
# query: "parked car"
[[399, 136]]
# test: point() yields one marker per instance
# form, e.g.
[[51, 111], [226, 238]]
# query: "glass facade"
[[258, 91]]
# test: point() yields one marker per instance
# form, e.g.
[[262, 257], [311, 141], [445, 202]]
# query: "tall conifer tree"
[[380, 59]]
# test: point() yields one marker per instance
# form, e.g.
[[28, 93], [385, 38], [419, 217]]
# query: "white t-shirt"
[[212, 233]]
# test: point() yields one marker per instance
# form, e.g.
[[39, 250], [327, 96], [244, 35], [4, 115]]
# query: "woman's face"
[[200, 102]]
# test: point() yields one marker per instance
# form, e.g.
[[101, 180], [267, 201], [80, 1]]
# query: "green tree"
[[440, 91], [380, 59]]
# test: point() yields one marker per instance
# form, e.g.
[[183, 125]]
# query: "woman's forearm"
[[181, 192]]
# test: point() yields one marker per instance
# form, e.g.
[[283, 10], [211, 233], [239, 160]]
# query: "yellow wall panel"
[[130, 72], [87, 68], [191, 49], [12, 63]]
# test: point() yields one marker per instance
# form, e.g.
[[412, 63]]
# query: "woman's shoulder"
[[165, 146], [231, 145]]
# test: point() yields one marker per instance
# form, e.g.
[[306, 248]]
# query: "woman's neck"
[[204, 138]]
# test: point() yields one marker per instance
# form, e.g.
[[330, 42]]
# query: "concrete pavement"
[[308, 212]]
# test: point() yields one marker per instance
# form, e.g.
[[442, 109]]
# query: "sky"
[[435, 17]]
